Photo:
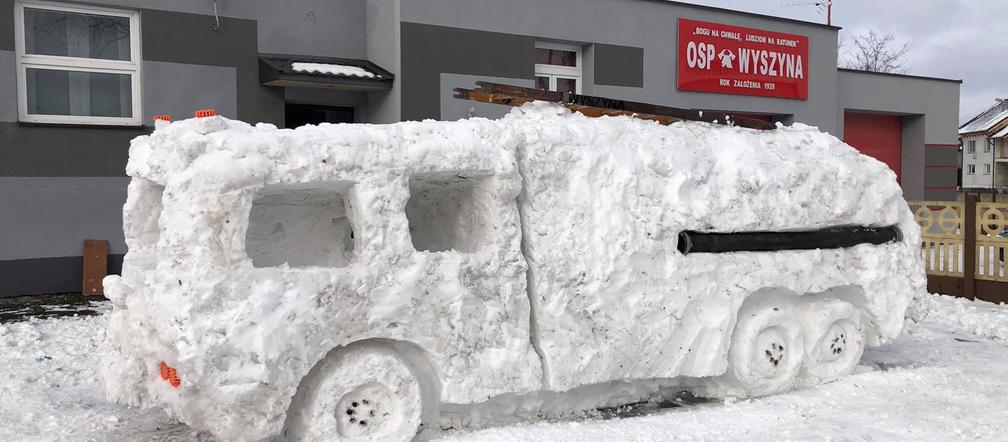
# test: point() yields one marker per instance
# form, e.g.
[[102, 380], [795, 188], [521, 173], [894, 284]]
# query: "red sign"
[[735, 60]]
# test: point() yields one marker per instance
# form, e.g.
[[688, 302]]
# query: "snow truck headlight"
[[168, 374]]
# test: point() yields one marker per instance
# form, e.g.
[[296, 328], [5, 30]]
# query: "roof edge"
[[749, 14], [891, 74]]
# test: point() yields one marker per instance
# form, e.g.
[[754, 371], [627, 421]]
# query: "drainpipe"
[[990, 142]]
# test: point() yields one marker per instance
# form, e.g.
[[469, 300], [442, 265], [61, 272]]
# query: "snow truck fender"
[[410, 355]]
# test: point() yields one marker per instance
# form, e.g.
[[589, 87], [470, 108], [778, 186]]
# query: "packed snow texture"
[[49, 367], [505, 257], [333, 69]]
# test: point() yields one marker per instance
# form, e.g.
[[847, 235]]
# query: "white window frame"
[[79, 64], [553, 72], [971, 146], [987, 169], [970, 169]]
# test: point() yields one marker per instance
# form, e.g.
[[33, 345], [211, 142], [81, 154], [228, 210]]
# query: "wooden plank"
[[970, 247], [95, 266], [946, 285], [990, 291], [590, 111], [631, 108]]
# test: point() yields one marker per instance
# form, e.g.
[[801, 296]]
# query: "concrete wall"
[[904, 95], [333, 28], [930, 110], [206, 87], [383, 48], [62, 184], [647, 25], [428, 51]]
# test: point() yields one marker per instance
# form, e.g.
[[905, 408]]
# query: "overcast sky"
[[960, 39]]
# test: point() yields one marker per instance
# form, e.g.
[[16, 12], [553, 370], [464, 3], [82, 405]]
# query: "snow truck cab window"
[[301, 225], [558, 67], [77, 64], [445, 212]]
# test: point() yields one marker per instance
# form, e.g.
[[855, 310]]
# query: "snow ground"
[[943, 379]]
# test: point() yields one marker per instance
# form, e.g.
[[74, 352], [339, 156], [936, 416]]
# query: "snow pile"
[[498, 258], [333, 69], [48, 366], [977, 317]]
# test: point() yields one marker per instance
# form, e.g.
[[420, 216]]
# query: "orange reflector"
[[162, 117], [169, 374], [173, 378], [205, 113]]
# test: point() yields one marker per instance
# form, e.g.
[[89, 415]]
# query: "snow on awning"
[[339, 70], [323, 72]]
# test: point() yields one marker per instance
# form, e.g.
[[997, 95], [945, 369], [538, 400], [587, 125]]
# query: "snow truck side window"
[[445, 214], [301, 225]]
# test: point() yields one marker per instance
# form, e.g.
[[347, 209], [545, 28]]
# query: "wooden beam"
[[95, 266], [991, 291], [946, 285], [590, 111], [969, 246], [633, 107]]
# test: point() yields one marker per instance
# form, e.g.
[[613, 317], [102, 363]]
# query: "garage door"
[[880, 136]]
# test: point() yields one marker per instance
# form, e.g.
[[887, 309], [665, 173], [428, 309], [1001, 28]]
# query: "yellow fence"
[[992, 219], [943, 244], [942, 236]]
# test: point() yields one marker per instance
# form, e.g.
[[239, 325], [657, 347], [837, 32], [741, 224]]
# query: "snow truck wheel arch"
[[781, 336], [374, 389]]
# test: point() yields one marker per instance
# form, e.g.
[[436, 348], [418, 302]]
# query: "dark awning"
[[345, 74]]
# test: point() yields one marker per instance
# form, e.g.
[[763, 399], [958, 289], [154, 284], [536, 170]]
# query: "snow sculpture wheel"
[[364, 393], [834, 338], [767, 347]]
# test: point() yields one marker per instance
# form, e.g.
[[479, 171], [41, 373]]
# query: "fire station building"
[[78, 80]]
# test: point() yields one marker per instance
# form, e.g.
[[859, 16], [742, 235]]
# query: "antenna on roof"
[[823, 5]]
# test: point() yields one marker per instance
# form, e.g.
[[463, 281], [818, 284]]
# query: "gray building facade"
[[62, 178]]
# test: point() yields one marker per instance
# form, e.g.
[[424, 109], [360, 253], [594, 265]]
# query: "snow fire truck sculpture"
[[368, 281]]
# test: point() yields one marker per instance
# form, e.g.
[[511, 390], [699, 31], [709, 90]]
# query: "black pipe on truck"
[[828, 238]]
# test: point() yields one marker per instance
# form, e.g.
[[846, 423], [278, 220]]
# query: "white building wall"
[[982, 162]]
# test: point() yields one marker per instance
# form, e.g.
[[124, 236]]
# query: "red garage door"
[[880, 136]]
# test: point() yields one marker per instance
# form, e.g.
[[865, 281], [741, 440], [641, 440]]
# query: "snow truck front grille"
[[828, 238]]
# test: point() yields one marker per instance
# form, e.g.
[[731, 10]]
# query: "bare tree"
[[876, 53]]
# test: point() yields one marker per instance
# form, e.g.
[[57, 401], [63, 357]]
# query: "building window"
[[970, 169], [987, 145], [971, 146], [987, 169], [558, 67], [77, 64]]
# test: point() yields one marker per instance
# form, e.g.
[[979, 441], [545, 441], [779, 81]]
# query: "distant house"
[[985, 154]]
